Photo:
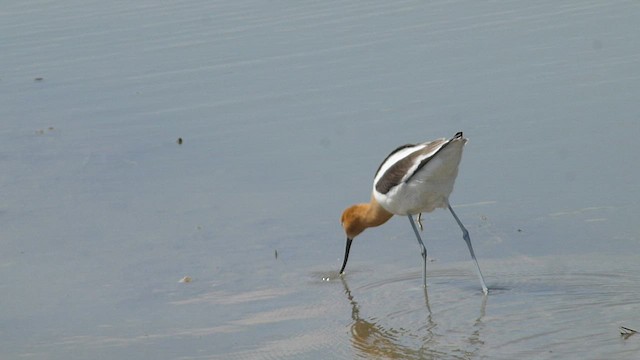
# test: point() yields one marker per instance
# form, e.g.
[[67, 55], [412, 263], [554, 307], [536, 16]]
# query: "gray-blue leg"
[[467, 239], [423, 251]]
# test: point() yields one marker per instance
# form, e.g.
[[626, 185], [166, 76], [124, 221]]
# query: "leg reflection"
[[478, 326], [372, 338]]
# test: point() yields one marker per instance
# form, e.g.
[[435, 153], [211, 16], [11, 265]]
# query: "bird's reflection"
[[372, 339]]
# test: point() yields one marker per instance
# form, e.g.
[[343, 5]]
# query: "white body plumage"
[[419, 178]]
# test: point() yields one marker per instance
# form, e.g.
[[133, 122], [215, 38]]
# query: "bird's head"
[[353, 225], [351, 220]]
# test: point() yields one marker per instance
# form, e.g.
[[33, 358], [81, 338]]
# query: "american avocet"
[[413, 179]]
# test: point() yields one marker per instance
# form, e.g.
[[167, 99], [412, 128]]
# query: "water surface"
[[285, 110]]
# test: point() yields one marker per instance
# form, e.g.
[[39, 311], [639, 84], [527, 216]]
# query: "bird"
[[412, 179]]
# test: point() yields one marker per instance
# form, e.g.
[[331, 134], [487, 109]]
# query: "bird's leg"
[[423, 251], [419, 220], [467, 239]]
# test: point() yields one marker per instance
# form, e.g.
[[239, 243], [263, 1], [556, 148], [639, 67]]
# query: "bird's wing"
[[404, 162]]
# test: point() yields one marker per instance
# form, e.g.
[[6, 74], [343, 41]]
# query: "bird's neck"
[[374, 214]]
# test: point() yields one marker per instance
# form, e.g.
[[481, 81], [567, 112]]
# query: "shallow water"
[[285, 110]]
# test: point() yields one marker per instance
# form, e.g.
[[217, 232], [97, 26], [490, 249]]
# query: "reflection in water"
[[371, 339], [474, 338]]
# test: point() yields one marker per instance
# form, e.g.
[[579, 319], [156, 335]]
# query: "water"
[[285, 110]]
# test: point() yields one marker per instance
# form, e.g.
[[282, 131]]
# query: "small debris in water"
[[186, 279], [625, 332], [179, 141], [326, 279], [276, 253], [38, 79], [42, 131]]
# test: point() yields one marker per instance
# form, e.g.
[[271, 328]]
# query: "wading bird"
[[413, 179]]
